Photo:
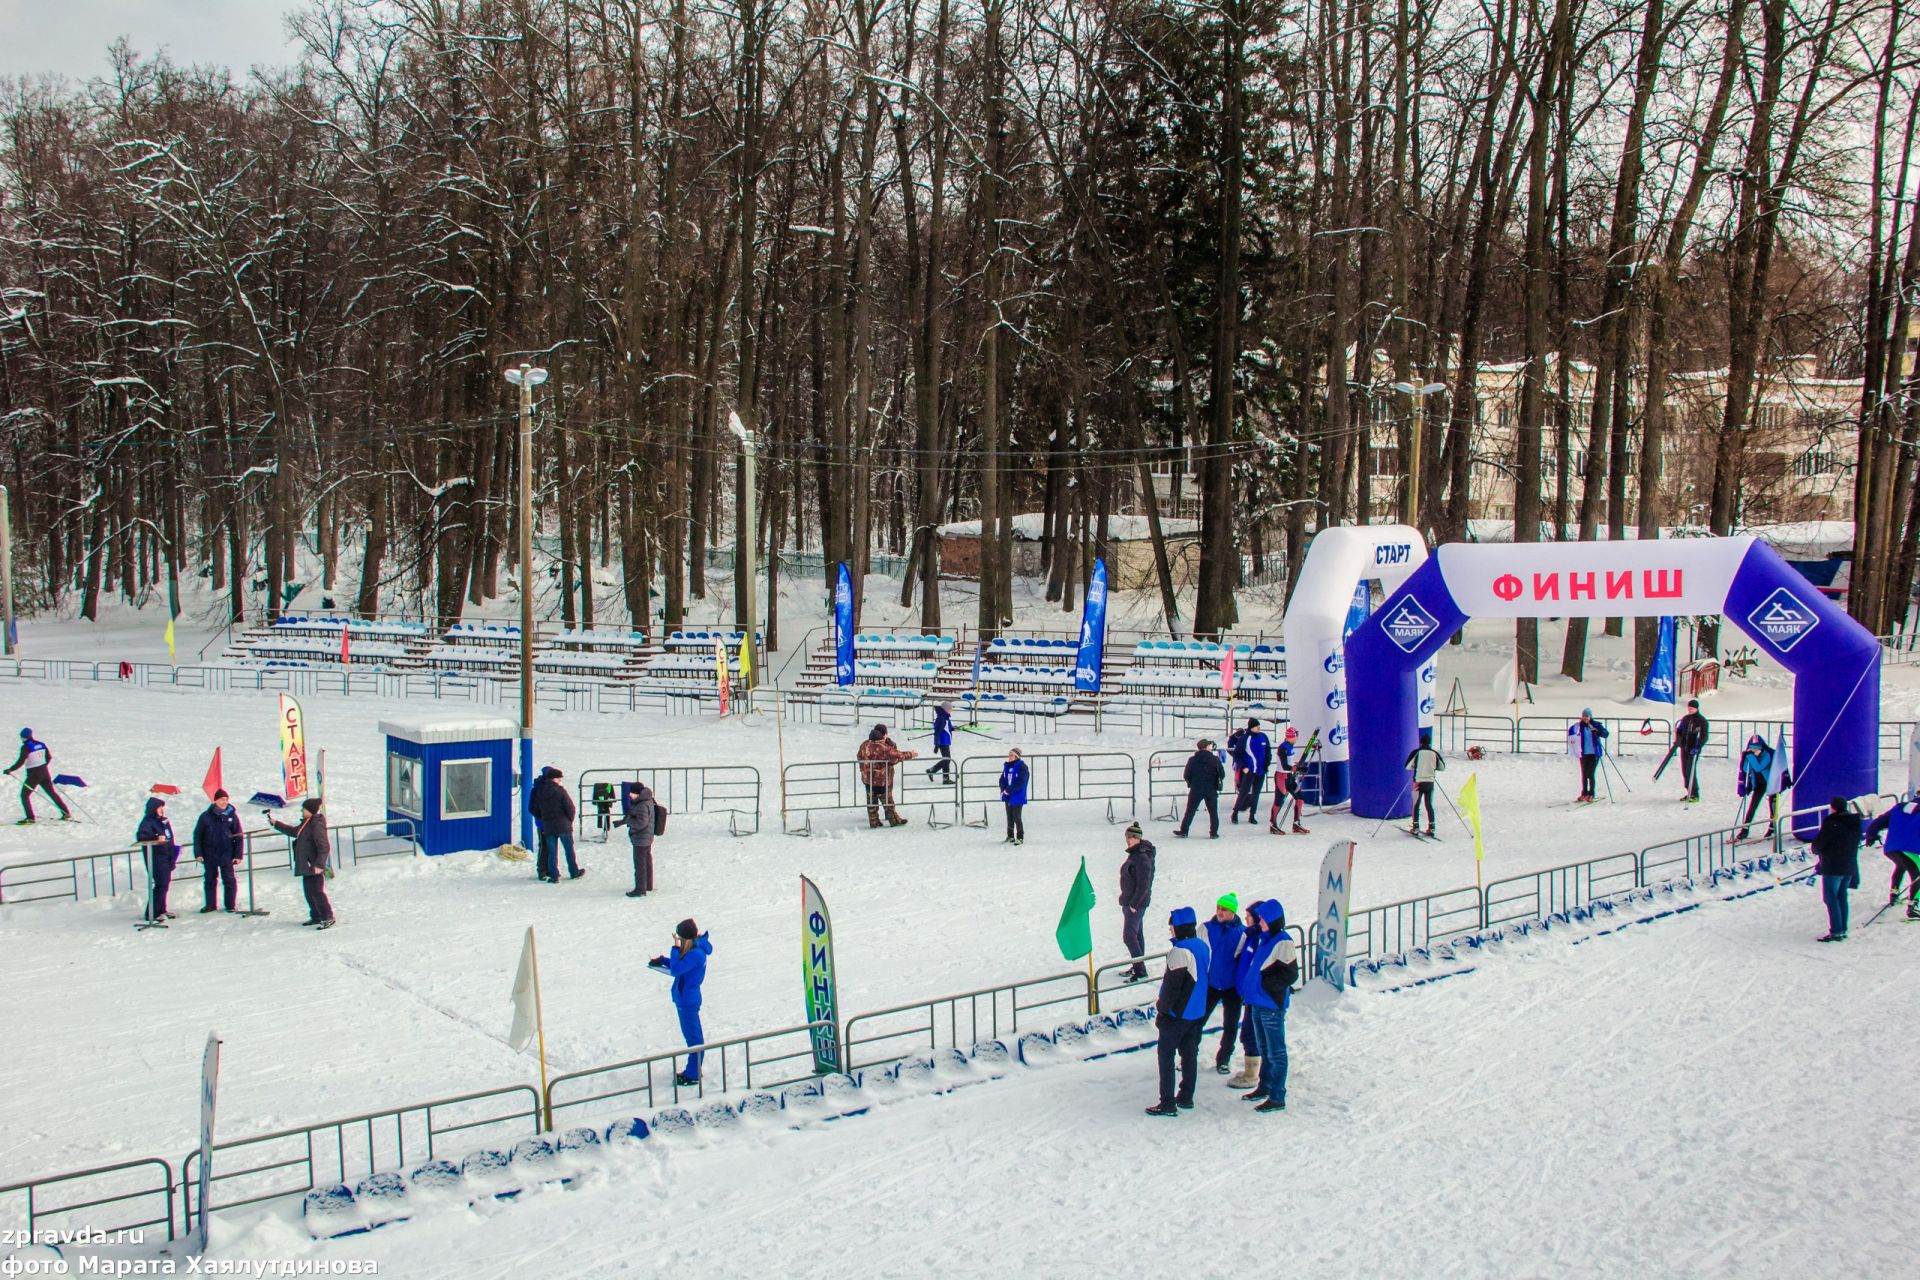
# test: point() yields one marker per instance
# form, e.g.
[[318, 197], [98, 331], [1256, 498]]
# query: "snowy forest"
[[948, 259]]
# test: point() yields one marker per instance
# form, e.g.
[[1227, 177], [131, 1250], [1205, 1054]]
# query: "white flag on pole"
[[526, 998]]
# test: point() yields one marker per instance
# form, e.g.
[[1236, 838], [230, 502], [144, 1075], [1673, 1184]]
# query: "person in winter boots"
[[1753, 781], [219, 841], [942, 744], [1286, 786], [877, 756], [1899, 828], [1587, 738], [636, 815], [1136, 893], [311, 850], [1249, 1074], [1014, 775], [1689, 740], [1204, 776], [1270, 963], [553, 810], [1837, 846], [1223, 943], [1426, 765], [687, 965], [155, 838], [1180, 1012], [36, 758], [1250, 772]]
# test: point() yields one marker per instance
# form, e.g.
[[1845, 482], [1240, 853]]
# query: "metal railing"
[[1459, 730], [725, 1065], [807, 788], [1538, 895], [49, 1201], [958, 1021], [733, 790], [1397, 927], [1053, 776], [76, 879], [1548, 734]]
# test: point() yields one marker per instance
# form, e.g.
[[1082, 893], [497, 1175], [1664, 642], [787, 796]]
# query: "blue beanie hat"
[[1182, 915], [1270, 911]]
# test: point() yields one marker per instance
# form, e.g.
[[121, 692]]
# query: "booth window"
[[403, 784], [466, 788]]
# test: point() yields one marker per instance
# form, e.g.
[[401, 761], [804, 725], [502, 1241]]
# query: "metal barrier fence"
[[292, 1162], [826, 785], [732, 789], [1416, 922], [1167, 780], [958, 1021], [1539, 894], [49, 1202], [77, 879], [1054, 776], [1458, 730], [724, 1065], [1548, 734]]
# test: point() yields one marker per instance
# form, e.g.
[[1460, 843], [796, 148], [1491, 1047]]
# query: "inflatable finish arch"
[[1835, 661], [1316, 622]]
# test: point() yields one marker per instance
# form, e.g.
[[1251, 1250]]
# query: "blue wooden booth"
[[453, 778]]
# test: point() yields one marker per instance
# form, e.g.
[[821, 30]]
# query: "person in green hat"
[[1223, 943]]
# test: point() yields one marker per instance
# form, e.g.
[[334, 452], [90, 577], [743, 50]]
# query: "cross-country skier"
[[687, 965], [1180, 1012], [36, 758], [1587, 738], [1286, 784], [1898, 833], [1756, 768], [1689, 739], [1426, 765]]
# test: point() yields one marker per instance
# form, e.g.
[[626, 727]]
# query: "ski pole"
[[1448, 797], [1390, 808], [1619, 774]]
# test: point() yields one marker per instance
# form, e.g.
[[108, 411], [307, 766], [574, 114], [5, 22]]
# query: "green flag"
[[1075, 931]]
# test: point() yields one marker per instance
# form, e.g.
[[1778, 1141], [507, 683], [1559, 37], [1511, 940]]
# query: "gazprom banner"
[[1662, 672], [843, 628], [1330, 924], [823, 1001], [1093, 632]]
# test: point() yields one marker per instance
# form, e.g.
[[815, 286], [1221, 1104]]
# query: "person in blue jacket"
[[1899, 829], [1587, 738], [155, 838], [1223, 943], [1250, 772], [687, 965], [1014, 775], [219, 841], [1180, 1012], [1755, 780], [1269, 963], [37, 759], [942, 743]]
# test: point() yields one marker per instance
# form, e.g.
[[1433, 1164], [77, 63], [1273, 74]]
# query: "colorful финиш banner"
[[816, 958]]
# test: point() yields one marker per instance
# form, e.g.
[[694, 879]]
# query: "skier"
[[310, 852], [877, 756], [1587, 738], [1837, 846], [687, 964], [1223, 943], [219, 840], [553, 809], [1204, 775], [1425, 763], [942, 743], [1136, 893], [1898, 832], [35, 757], [156, 837], [1753, 781], [1269, 963], [1013, 793], [637, 816], [1690, 739], [1286, 784], [1180, 1012], [1250, 771]]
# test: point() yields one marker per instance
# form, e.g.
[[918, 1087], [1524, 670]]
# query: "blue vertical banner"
[[1663, 671], [1357, 611], [1093, 632], [843, 628]]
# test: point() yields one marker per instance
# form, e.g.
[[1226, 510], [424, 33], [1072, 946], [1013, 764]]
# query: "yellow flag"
[[746, 657], [169, 637], [1470, 805]]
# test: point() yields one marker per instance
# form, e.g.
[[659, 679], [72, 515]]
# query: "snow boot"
[[1414, 830], [1248, 1076], [1431, 834], [1913, 911], [684, 1080], [636, 893], [1271, 1104], [1258, 1095], [1274, 828], [325, 924], [1158, 1109], [1300, 830]]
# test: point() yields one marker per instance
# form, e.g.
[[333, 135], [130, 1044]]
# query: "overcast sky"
[[71, 36]]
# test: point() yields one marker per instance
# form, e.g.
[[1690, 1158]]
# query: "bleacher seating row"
[[484, 632], [896, 644], [1017, 702], [1007, 673], [704, 639], [880, 668], [611, 641], [1209, 651], [1030, 646], [1197, 678]]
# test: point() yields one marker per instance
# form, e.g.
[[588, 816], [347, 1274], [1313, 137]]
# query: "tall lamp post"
[[526, 377], [743, 537], [1419, 396]]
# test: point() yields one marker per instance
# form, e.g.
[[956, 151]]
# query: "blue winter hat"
[[1586, 711], [1182, 915], [26, 733], [1270, 911]]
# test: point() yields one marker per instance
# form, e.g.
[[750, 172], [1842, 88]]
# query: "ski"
[[1666, 760]]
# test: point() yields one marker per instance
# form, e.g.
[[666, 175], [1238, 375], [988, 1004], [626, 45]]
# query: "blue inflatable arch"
[[1834, 660]]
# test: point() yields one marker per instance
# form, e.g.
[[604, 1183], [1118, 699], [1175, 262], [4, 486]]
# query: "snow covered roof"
[[432, 730], [1031, 527]]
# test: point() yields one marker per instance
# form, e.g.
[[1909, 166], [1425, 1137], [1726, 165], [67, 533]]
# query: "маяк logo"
[[1783, 619]]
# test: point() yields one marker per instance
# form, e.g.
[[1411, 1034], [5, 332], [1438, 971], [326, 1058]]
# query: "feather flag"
[[1226, 673], [746, 658], [346, 651], [1470, 805], [169, 637]]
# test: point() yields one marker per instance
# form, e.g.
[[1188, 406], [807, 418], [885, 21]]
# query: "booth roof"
[[430, 730]]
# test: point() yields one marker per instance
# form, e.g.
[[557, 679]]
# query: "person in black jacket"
[[1690, 739], [553, 809], [312, 850], [636, 815], [155, 838], [219, 841], [1180, 1012], [1136, 893], [1204, 777], [1837, 846]]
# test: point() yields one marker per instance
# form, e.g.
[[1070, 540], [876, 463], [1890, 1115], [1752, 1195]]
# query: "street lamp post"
[[743, 537], [1419, 396], [526, 377]]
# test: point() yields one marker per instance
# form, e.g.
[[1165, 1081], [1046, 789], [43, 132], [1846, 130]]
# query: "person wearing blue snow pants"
[[688, 967]]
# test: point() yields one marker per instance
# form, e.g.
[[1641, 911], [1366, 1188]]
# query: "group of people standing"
[[641, 814], [219, 842], [1253, 756]]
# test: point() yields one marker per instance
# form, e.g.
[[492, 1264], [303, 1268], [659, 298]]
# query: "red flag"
[[344, 658], [213, 780], [1226, 673]]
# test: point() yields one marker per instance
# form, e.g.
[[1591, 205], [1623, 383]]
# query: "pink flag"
[[213, 782], [345, 652], [1226, 673]]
